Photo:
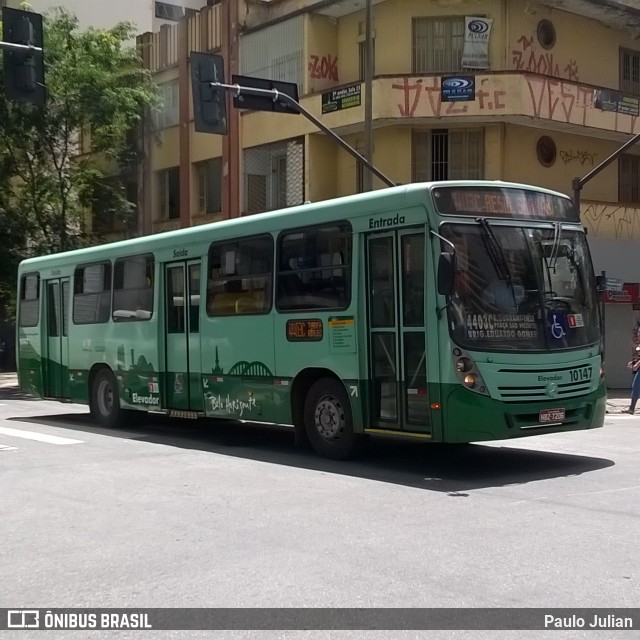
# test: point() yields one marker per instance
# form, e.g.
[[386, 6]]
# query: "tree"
[[97, 89]]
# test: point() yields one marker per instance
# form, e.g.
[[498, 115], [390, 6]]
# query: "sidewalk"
[[617, 399], [8, 379]]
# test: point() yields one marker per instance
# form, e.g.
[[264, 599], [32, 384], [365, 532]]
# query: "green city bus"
[[456, 311]]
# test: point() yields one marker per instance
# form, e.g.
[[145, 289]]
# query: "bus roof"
[[339, 208]]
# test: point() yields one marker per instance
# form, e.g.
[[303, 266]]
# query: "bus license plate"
[[551, 415]]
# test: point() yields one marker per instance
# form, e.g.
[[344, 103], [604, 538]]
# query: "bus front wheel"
[[327, 420], [105, 403]]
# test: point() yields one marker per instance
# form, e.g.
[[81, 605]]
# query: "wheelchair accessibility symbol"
[[557, 325]]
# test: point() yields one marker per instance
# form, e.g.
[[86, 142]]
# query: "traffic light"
[[209, 103], [23, 68]]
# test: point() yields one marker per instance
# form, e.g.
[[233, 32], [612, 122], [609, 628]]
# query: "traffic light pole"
[[578, 183], [279, 96]]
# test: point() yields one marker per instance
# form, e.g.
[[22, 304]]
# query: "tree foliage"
[[96, 86]]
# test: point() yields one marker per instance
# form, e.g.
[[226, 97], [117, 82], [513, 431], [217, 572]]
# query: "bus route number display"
[[304, 330], [504, 203]]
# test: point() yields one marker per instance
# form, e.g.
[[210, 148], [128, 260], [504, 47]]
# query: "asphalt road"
[[198, 514]]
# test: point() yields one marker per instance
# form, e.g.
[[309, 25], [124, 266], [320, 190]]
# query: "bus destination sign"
[[504, 202], [304, 330]]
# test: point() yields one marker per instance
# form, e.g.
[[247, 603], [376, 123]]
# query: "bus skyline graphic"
[[243, 368]]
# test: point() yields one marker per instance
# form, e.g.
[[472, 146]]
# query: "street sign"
[[245, 100], [613, 284]]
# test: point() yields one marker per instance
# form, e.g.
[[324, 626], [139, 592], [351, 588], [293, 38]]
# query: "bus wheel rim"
[[105, 398], [329, 417]]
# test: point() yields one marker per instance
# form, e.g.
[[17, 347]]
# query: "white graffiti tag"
[[231, 405]]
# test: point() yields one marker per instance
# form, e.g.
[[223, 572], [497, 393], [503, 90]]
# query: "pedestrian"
[[634, 365]]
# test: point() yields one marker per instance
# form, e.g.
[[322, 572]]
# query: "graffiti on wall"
[[583, 157], [412, 90], [611, 220], [541, 97], [527, 58], [323, 67]]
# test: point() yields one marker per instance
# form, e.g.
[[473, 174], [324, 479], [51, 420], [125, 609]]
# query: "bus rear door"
[[56, 338], [395, 268], [183, 387]]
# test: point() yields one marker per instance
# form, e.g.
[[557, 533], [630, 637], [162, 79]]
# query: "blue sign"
[[557, 324], [458, 88]]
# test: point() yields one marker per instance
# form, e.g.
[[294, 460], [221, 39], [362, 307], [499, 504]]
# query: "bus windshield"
[[521, 288]]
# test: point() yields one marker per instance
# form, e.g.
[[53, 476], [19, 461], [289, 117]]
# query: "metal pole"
[[578, 183], [24, 48], [368, 91]]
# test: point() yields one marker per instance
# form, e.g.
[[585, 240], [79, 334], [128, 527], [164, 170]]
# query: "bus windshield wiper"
[[555, 249], [494, 249]]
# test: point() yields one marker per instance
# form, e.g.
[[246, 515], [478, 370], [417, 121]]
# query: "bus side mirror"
[[446, 273]]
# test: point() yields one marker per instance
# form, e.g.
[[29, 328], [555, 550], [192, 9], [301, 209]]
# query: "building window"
[[167, 11], [169, 113], [169, 193], [546, 151], [209, 177], [362, 59], [442, 154], [437, 44], [630, 71], [629, 179], [274, 176], [546, 33], [276, 52]]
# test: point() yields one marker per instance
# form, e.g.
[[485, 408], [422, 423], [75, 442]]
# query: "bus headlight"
[[464, 365], [467, 372], [470, 380]]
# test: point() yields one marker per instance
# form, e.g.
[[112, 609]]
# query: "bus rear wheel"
[[105, 403], [327, 420]]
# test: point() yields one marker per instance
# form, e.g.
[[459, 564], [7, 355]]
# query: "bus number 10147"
[[581, 375]]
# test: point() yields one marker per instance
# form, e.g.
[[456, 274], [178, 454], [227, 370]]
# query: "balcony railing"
[[160, 50]]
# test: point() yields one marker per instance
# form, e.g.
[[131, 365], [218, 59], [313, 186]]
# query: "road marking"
[[40, 437], [6, 447]]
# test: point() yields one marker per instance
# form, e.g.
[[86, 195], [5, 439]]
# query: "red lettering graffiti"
[[325, 67], [406, 109], [539, 62]]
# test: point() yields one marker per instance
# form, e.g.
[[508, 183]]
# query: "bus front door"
[[56, 352], [182, 385], [396, 331]]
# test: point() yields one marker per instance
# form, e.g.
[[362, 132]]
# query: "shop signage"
[[457, 88], [343, 98], [628, 295], [616, 101]]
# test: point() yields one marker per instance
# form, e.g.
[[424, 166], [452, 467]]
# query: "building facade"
[[146, 15]]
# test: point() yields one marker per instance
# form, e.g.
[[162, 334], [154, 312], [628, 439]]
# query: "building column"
[[185, 125], [231, 143]]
